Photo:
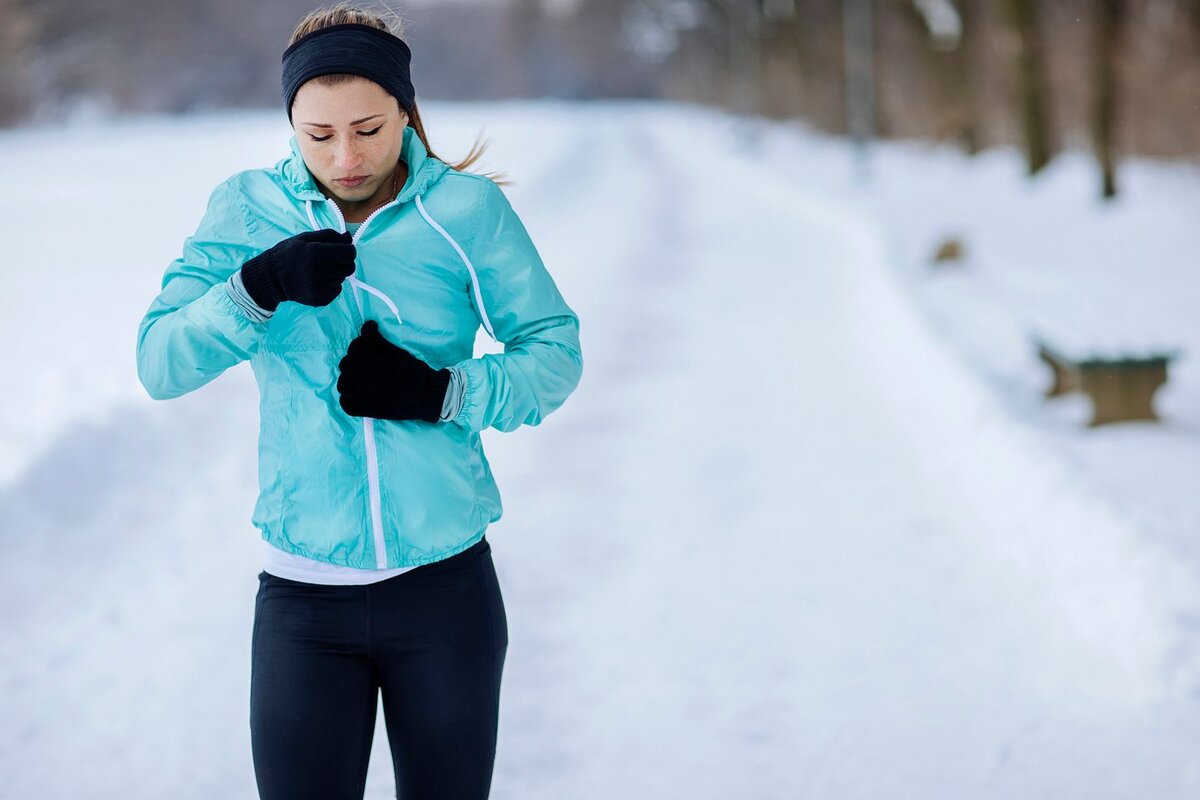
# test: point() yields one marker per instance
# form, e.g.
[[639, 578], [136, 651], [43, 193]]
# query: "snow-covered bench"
[[1120, 377]]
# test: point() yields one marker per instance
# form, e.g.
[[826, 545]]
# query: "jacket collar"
[[423, 170]]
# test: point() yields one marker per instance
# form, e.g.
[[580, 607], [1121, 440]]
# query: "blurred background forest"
[[1120, 76]]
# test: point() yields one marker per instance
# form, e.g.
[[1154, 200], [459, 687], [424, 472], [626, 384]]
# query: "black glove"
[[380, 380], [307, 268]]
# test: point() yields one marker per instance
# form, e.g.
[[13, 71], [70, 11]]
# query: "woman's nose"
[[346, 155]]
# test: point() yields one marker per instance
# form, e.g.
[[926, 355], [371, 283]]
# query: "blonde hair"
[[390, 21]]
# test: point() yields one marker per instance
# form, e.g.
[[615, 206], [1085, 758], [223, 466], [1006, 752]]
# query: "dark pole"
[[859, 59], [1030, 74], [1108, 17]]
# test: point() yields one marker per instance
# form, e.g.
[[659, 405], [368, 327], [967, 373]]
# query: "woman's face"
[[350, 131]]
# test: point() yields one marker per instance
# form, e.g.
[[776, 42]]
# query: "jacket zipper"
[[381, 561]]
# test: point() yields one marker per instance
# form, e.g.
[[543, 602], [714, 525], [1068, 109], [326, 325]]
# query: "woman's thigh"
[[313, 691], [440, 636]]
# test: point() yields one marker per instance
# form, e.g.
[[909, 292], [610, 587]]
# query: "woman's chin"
[[358, 194]]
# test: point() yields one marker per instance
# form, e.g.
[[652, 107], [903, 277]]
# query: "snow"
[[942, 19], [806, 529]]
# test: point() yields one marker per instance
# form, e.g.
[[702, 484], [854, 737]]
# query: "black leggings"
[[432, 639]]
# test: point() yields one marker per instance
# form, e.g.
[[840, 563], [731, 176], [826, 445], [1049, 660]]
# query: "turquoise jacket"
[[447, 255]]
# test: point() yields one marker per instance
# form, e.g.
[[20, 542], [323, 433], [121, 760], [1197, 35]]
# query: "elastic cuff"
[[470, 400], [454, 395], [224, 298], [237, 292]]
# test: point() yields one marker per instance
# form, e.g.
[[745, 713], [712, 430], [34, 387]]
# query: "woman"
[[374, 492]]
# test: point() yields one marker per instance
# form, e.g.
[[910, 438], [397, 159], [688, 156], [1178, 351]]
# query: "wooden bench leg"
[[1065, 380], [1122, 394]]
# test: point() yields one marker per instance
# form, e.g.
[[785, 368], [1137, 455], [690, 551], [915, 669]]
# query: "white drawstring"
[[487, 323], [355, 282], [368, 287], [483, 317], [368, 422]]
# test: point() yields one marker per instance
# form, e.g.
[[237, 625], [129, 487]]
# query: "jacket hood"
[[423, 169]]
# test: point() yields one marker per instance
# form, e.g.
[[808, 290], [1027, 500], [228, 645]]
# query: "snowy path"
[[777, 545], [798, 595]]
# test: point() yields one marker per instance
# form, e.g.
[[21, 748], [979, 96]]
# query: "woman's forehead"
[[345, 99]]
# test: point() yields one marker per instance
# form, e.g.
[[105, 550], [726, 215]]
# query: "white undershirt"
[[299, 568]]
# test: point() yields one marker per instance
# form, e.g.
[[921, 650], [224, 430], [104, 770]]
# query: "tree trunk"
[[859, 66], [1031, 83], [17, 38], [1104, 56], [966, 75]]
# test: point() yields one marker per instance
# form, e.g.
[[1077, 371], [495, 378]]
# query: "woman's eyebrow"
[[356, 122]]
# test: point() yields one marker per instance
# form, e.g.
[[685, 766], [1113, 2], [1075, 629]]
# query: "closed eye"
[[371, 132]]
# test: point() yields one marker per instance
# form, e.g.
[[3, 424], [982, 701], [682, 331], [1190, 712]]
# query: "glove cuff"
[[258, 278]]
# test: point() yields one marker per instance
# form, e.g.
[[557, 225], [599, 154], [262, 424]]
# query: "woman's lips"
[[350, 183]]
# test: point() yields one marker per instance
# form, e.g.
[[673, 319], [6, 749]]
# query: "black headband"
[[354, 48]]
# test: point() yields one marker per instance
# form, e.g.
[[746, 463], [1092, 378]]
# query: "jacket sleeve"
[[194, 331], [541, 364]]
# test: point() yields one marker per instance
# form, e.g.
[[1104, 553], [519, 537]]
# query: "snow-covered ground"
[[806, 529], [1049, 256]]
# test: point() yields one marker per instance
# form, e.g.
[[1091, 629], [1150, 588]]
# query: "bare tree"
[[965, 79], [1031, 83], [17, 37], [1104, 60], [858, 35], [944, 33], [734, 23], [522, 26]]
